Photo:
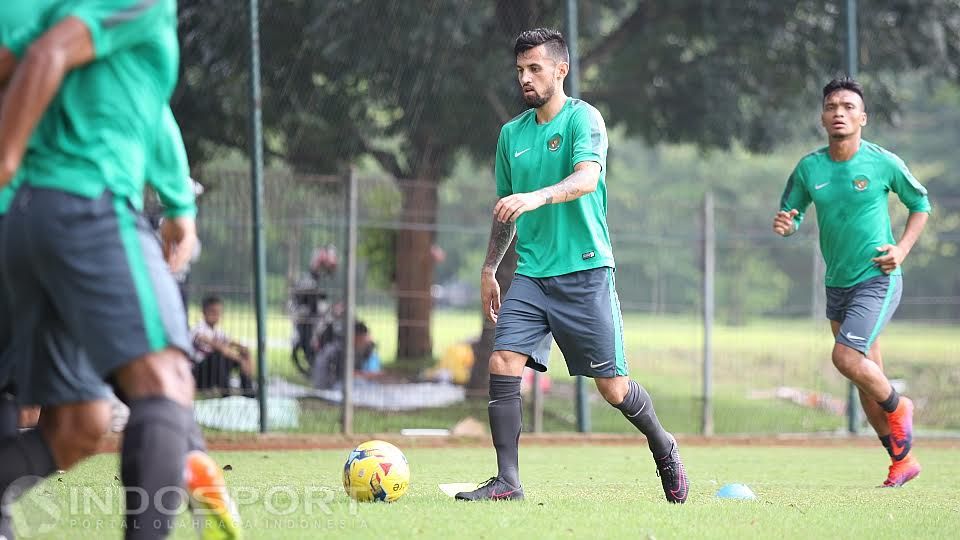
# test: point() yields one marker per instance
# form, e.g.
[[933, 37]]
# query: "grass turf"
[[572, 492]]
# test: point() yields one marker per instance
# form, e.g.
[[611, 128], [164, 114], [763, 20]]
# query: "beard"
[[536, 100]]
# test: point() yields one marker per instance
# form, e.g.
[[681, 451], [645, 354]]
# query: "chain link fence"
[[771, 344]]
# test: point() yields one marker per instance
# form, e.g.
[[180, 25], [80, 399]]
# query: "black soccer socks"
[[637, 406], [155, 444], [505, 415]]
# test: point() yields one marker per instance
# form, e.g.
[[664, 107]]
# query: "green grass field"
[[572, 492], [665, 354]]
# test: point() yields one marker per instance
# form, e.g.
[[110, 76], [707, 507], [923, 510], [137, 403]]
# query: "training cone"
[[736, 491]]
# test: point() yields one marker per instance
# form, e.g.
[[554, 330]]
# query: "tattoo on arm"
[[501, 234], [565, 190], [582, 181]]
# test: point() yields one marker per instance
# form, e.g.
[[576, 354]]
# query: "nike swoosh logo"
[[503, 494], [899, 448], [638, 412], [853, 337], [492, 401], [520, 153], [595, 366], [821, 186]]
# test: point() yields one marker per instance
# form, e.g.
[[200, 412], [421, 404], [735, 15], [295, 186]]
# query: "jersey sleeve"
[[18, 39], [795, 196], [120, 24], [589, 137], [168, 171], [911, 192], [113, 24], [502, 168]]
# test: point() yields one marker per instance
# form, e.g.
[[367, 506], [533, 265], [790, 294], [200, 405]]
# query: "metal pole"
[[537, 402], [256, 176], [350, 311], [709, 269], [573, 80], [853, 401]]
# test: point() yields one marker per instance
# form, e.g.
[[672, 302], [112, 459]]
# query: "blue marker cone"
[[739, 492]]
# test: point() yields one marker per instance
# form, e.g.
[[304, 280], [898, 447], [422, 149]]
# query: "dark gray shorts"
[[863, 309], [5, 324], [582, 312], [90, 290]]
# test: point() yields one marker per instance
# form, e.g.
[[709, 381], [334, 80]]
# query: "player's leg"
[[38, 355], [584, 315], [8, 404], [635, 403], [522, 338], [873, 411], [869, 307], [109, 283]]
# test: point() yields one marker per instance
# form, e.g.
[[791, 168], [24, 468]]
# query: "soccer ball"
[[376, 471]]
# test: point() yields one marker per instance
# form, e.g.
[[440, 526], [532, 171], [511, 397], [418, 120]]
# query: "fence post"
[[537, 402], [709, 270], [853, 61], [350, 311], [256, 178], [573, 82]]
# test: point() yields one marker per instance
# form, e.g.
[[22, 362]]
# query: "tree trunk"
[[483, 347], [415, 269]]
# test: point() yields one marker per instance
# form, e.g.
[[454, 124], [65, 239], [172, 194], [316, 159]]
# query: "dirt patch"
[[283, 441]]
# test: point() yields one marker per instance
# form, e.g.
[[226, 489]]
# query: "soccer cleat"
[[902, 472], [673, 476], [494, 489], [215, 514], [901, 429]]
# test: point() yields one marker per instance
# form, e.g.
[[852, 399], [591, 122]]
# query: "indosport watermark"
[[40, 507]]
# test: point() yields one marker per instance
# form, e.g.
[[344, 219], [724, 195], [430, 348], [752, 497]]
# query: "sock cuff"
[[38, 452], [634, 392], [504, 387], [161, 410]]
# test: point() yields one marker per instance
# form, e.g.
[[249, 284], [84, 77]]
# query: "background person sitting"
[[328, 366], [216, 354]]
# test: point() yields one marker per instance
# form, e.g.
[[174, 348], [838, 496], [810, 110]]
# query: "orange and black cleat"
[[214, 511]]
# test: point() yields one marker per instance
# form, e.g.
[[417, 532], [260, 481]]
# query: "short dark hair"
[[843, 83], [359, 328], [210, 300], [555, 44]]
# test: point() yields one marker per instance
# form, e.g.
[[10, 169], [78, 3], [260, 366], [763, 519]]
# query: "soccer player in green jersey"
[[849, 181], [83, 121], [551, 180]]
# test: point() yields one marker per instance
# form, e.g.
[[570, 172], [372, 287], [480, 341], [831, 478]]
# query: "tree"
[[412, 83]]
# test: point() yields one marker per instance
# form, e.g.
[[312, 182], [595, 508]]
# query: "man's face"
[[212, 314], [843, 114], [539, 75]]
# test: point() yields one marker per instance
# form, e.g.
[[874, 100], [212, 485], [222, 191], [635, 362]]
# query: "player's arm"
[[589, 134], [793, 205], [501, 234], [35, 82], [914, 197], [168, 173], [584, 180], [8, 63], [76, 33]]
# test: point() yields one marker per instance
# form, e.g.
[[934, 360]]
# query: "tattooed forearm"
[[565, 190], [501, 234], [582, 181]]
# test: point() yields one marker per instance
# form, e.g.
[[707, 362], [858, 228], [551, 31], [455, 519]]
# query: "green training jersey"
[[561, 238], [168, 172], [14, 17], [100, 132], [851, 198]]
